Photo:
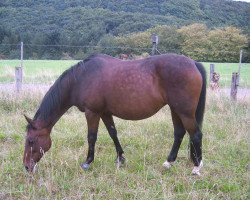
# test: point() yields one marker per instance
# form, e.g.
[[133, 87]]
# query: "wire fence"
[[66, 51], [77, 46], [44, 72]]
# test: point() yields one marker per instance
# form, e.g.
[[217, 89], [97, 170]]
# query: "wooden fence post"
[[241, 52], [211, 72], [234, 85], [22, 55], [19, 78]]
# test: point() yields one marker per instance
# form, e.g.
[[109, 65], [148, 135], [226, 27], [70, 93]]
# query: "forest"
[[203, 29]]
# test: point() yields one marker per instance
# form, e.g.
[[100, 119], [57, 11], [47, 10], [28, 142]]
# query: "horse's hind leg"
[[93, 122], [109, 123], [192, 127], [179, 132]]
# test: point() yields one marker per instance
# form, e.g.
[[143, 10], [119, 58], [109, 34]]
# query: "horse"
[[102, 87]]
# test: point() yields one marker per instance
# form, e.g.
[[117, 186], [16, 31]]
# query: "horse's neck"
[[57, 116], [51, 109]]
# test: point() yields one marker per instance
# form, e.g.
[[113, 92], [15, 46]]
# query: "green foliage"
[[2, 136], [220, 12], [225, 44], [81, 25], [194, 39], [138, 43], [221, 45]]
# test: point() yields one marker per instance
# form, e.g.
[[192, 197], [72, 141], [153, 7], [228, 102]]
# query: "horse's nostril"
[[27, 168]]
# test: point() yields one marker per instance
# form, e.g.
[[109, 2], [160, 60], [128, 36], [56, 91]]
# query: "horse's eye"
[[31, 141]]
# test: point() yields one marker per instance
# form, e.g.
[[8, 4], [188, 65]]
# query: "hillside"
[[84, 22]]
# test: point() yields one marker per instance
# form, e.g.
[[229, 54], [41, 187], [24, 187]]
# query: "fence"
[[224, 78]]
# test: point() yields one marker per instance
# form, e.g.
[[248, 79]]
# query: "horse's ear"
[[30, 121]]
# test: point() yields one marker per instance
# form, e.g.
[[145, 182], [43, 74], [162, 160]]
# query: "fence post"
[[241, 52], [234, 85], [22, 55], [154, 40], [211, 72], [19, 78], [19, 72]]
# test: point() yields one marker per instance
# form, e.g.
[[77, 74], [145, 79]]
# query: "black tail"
[[202, 100]]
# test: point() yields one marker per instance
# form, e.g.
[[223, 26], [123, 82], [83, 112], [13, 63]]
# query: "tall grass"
[[146, 143]]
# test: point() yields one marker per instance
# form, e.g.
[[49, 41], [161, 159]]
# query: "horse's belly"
[[136, 114], [136, 105], [134, 93]]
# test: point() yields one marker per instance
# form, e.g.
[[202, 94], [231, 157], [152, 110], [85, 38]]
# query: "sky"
[[243, 0]]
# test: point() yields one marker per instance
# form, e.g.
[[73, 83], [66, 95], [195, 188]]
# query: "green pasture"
[[226, 69], [46, 71], [35, 71], [226, 156]]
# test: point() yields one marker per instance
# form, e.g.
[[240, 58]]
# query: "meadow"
[[46, 71], [226, 141]]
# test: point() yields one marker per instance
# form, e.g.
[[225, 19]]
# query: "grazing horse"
[[102, 86]]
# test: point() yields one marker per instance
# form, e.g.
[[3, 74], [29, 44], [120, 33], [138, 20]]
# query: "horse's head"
[[37, 143]]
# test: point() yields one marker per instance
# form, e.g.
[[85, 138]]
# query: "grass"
[[45, 72], [226, 69], [35, 71], [146, 143]]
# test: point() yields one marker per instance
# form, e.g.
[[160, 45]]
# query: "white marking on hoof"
[[85, 166], [196, 170], [34, 168], [120, 162], [167, 164], [118, 165]]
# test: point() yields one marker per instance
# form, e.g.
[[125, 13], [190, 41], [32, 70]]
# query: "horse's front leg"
[[93, 123], [110, 125]]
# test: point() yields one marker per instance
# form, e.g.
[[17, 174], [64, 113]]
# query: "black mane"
[[52, 100]]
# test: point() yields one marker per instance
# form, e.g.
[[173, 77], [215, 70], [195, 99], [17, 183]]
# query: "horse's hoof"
[[120, 161], [196, 169], [167, 164], [195, 172], [85, 166]]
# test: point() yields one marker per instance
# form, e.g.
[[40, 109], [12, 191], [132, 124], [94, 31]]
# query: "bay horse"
[[102, 87]]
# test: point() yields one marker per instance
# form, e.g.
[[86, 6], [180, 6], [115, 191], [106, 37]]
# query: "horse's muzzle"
[[27, 168], [30, 168]]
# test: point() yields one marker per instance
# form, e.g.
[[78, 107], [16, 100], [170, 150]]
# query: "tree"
[[194, 41], [139, 43], [225, 44], [222, 45]]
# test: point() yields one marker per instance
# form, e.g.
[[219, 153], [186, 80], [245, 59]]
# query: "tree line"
[[195, 40], [75, 28]]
